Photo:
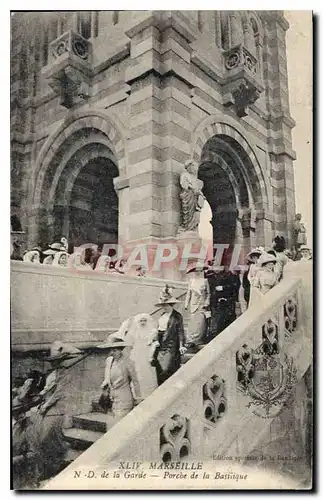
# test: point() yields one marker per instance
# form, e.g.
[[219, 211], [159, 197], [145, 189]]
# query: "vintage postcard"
[[161, 250]]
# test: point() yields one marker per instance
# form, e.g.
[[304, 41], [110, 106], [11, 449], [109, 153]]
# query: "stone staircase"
[[89, 427]]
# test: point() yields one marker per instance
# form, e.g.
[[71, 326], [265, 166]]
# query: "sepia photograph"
[[161, 250]]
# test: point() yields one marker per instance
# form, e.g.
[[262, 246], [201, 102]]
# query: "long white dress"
[[143, 338]]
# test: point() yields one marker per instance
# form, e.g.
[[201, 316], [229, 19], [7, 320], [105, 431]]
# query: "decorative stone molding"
[[174, 439], [270, 337], [242, 82], [70, 42], [239, 56], [214, 399], [240, 94], [290, 316], [69, 69]]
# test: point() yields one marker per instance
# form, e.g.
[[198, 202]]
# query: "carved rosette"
[[174, 439], [214, 399], [240, 57], [290, 316], [70, 42]]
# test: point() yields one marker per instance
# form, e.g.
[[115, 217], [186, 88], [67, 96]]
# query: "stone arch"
[[259, 182], [74, 123], [70, 145]]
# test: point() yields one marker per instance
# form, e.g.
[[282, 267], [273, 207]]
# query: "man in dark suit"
[[224, 287], [171, 338]]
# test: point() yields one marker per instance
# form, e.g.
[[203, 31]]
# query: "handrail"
[[137, 435]]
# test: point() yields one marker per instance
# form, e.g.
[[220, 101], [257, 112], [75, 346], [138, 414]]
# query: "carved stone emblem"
[[272, 384]]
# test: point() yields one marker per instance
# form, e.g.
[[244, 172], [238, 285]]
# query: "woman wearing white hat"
[[250, 276], [120, 378], [51, 252], [266, 277]]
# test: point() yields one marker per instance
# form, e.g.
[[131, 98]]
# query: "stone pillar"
[[160, 129], [281, 124]]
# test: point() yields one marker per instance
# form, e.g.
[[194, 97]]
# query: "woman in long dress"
[[143, 337], [252, 258], [120, 382], [198, 302]]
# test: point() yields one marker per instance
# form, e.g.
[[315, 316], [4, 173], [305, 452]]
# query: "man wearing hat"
[[171, 337], [120, 382], [45, 434]]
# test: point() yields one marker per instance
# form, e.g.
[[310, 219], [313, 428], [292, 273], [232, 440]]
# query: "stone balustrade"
[[205, 409]]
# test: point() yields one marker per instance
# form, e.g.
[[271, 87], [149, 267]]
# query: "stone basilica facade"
[[106, 107]]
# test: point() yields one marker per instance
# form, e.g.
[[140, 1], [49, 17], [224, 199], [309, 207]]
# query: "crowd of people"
[[142, 354], [90, 259]]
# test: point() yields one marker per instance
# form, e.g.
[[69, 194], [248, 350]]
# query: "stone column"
[[281, 124], [160, 129]]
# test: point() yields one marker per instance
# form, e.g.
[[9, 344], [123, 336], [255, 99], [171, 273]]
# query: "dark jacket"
[[230, 288], [170, 341]]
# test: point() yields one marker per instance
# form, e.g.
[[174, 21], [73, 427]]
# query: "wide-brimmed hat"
[[304, 247], [113, 342], [265, 258], [53, 248], [60, 351], [254, 251], [166, 297]]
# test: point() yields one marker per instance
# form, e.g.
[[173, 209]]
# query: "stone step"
[[94, 421], [81, 439]]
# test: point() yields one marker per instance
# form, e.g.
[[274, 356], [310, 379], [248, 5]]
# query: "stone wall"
[[49, 303]]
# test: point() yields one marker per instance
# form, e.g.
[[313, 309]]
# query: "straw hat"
[[255, 251], [60, 351], [113, 342], [304, 247], [265, 258]]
